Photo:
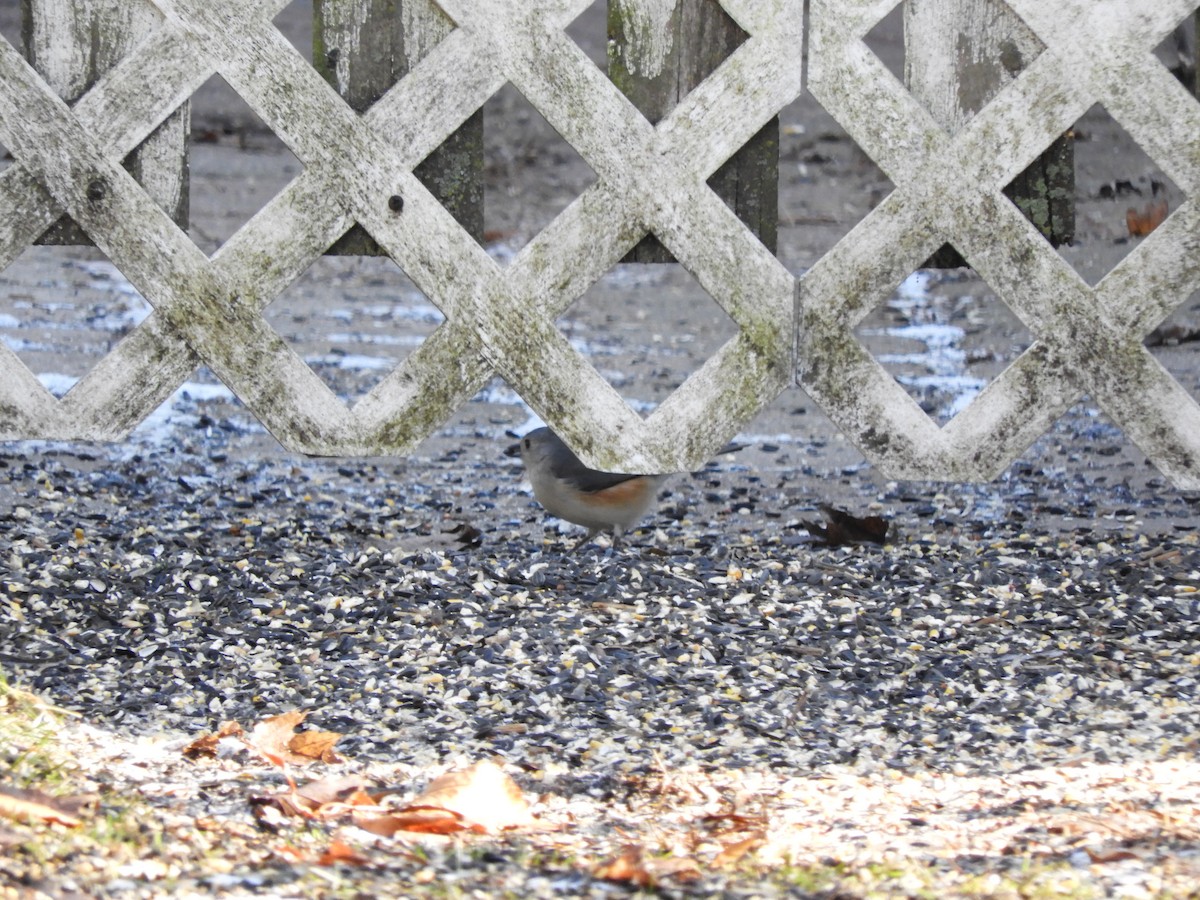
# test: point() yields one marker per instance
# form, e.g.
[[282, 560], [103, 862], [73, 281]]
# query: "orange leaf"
[[412, 819], [276, 739], [318, 745], [341, 852], [629, 866], [1141, 223], [734, 852], [34, 806]]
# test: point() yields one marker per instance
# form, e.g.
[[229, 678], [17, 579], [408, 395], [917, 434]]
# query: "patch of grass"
[[28, 730]]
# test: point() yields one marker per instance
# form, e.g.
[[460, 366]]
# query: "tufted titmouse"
[[599, 501]]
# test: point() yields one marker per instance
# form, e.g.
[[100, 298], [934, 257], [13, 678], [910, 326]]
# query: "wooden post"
[[658, 50], [362, 48], [72, 44], [1191, 41], [958, 54]]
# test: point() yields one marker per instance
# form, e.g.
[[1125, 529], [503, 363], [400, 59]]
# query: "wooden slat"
[[659, 51], [363, 47], [958, 55], [72, 44]]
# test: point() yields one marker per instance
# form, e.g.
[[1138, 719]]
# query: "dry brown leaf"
[[341, 852], [336, 789], [315, 745], [482, 794], [34, 806], [1141, 222], [206, 744], [628, 866], [413, 819], [733, 853], [276, 739], [844, 528]]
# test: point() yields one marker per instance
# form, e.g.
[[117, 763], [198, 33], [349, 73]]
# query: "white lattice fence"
[[649, 179], [949, 188]]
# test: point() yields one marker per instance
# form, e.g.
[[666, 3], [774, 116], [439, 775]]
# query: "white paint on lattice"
[[649, 178]]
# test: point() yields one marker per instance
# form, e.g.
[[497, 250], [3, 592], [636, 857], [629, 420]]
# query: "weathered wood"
[[501, 319], [948, 186], [958, 55], [363, 47], [658, 51], [72, 44]]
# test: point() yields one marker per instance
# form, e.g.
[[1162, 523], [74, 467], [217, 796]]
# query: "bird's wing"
[[589, 480]]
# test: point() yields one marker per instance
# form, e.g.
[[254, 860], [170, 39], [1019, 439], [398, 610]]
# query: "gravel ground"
[[1007, 634]]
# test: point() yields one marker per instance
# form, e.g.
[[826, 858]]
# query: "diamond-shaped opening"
[[911, 42], [295, 22], [943, 335], [238, 164], [682, 49], [1177, 52], [645, 329], [886, 40], [1084, 472], [1176, 344], [1121, 195], [530, 173], [793, 434], [10, 25], [63, 308], [353, 319], [827, 184], [589, 31]]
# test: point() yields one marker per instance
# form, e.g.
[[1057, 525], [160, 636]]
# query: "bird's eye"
[[528, 443]]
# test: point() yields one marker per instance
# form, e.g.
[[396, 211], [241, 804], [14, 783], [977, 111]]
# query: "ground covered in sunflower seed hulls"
[[1031, 645]]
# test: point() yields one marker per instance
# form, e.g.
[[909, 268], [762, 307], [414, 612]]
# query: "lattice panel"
[[949, 188], [358, 168]]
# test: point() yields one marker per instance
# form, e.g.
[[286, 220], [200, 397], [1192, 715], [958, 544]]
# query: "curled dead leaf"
[[844, 528], [276, 739], [339, 852], [32, 806], [735, 852], [633, 866], [628, 866]]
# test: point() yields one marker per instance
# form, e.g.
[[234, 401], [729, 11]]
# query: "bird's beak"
[[513, 450]]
